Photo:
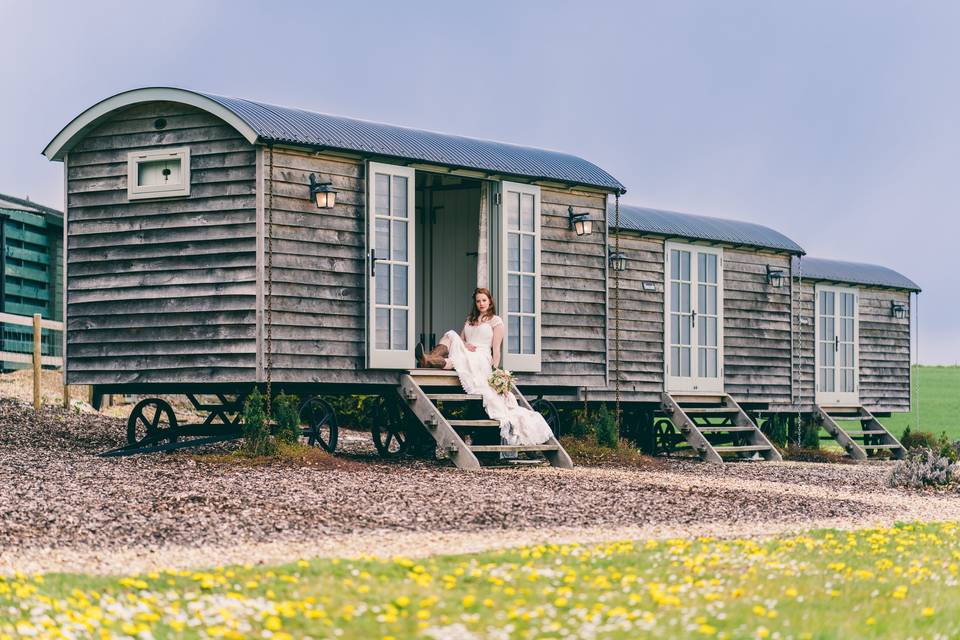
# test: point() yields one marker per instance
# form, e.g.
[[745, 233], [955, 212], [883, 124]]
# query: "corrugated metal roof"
[[295, 126], [12, 202], [684, 225], [852, 272]]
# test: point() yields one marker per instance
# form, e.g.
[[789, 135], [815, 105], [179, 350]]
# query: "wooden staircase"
[[433, 394], [868, 437], [715, 426]]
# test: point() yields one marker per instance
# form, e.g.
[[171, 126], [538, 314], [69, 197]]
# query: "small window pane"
[[527, 338], [685, 298], [527, 291], [675, 360], [399, 241], [399, 329], [702, 298], [399, 196], [712, 301], [527, 256], [685, 361], [158, 173], [702, 362], [702, 332], [712, 269], [513, 334], [513, 293], [399, 284], [513, 252], [848, 380], [675, 296], [712, 368], [674, 264], [383, 283], [685, 330], [383, 239], [674, 328], [702, 267], [711, 324], [383, 328], [513, 210], [526, 212], [382, 205], [684, 265]]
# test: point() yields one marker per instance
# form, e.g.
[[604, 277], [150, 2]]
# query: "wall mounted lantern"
[[775, 277], [897, 310], [580, 222], [322, 192], [616, 259]]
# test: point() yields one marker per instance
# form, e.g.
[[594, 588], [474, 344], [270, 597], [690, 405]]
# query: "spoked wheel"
[[318, 423], [149, 419], [549, 412], [388, 430], [666, 435]]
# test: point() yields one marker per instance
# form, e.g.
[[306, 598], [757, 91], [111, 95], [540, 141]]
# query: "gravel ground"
[[62, 508]]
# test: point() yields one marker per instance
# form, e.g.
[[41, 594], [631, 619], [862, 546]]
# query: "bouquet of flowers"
[[501, 380]]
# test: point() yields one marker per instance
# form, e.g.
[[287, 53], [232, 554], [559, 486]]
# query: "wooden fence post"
[[36, 361]]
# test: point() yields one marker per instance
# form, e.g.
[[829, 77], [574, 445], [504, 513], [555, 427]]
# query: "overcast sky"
[[837, 123]]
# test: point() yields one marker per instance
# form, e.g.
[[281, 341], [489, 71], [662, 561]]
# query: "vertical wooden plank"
[[36, 361], [63, 251], [261, 238]]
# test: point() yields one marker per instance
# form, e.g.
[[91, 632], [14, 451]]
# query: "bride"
[[473, 353]]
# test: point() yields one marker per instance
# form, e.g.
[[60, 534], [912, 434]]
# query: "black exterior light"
[[617, 260], [897, 310], [775, 277], [323, 192], [580, 222]]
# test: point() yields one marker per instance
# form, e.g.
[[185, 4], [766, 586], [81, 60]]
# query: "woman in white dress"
[[473, 353]]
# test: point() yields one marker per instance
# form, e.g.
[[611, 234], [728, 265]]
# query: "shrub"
[[798, 454], [286, 418], [926, 440], [775, 428], [923, 468], [256, 432], [585, 452], [606, 428], [809, 435], [580, 424]]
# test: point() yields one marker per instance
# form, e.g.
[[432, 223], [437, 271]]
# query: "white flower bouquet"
[[501, 380]]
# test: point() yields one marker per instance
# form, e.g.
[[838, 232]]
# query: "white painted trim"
[[71, 134], [836, 397], [692, 383], [516, 361], [174, 190], [391, 358]]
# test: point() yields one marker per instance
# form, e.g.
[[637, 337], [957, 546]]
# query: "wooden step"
[[474, 423], [739, 448], [691, 411], [698, 399], [860, 432], [434, 378], [881, 446], [511, 448], [721, 429], [454, 397], [847, 417]]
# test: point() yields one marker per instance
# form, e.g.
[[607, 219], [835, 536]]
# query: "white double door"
[[693, 333], [837, 340]]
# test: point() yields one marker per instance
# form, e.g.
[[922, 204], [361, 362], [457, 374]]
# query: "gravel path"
[[61, 508]]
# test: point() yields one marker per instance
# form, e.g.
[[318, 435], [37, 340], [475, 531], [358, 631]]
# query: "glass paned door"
[[390, 265], [520, 270], [837, 339], [693, 355]]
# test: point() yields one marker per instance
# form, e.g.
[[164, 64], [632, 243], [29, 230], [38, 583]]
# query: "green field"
[[876, 583], [939, 403]]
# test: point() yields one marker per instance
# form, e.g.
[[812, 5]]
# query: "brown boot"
[[436, 359]]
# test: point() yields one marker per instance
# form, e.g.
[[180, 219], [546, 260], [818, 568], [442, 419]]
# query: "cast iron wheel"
[[318, 423], [149, 419], [666, 435], [549, 412], [388, 430]]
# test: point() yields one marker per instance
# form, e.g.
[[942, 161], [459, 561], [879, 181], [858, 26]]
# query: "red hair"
[[474, 316]]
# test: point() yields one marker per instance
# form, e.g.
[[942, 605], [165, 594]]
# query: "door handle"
[[693, 318], [836, 343], [373, 262]]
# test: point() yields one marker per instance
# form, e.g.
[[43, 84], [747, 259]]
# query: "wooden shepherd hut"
[[700, 313], [853, 350], [215, 243]]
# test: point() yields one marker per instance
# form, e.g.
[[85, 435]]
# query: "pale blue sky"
[[835, 122]]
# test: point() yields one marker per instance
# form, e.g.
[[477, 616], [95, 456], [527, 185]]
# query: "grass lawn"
[[883, 583], [939, 403]]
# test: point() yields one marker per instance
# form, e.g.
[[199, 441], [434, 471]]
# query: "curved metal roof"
[[853, 273], [684, 225], [260, 122]]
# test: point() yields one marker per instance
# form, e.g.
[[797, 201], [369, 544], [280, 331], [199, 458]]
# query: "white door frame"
[[693, 383], [402, 356], [835, 397], [527, 361]]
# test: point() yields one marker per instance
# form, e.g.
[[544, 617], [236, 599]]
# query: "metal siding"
[[853, 273], [693, 227]]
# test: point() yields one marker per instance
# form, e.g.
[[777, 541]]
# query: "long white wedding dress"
[[518, 425]]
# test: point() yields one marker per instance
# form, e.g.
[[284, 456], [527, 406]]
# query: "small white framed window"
[[164, 173]]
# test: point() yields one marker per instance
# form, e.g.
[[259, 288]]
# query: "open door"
[[693, 340], [837, 339], [520, 275], [391, 249]]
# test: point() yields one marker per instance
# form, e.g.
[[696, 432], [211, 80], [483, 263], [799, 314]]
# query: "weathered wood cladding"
[[883, 351], [319, 279], [161, 290], [756, 325]]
